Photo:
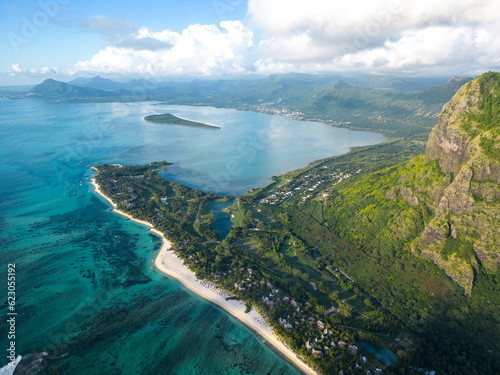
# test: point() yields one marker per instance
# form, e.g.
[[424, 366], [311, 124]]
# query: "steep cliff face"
[[465, 231], [443, 205]]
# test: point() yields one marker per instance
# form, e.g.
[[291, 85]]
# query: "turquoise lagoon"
[[89, 300]]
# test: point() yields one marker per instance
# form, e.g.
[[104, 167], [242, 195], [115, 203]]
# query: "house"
[[318, 353], [309, 345], [294, 303], [353, 349], [342, 343], [320, 324], [311, 319]]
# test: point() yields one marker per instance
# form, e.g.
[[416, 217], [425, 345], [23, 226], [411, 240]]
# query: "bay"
[[87, 297]]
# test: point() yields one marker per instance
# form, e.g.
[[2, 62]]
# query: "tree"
[[334, 296], [320, 309], [344, 310]]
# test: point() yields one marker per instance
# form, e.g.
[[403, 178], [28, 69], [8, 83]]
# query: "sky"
[[167, 39]]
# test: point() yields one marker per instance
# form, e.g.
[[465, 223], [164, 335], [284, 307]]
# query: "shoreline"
[[168, 263]]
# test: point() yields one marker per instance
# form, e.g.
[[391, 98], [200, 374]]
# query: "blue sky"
[[64, 39]]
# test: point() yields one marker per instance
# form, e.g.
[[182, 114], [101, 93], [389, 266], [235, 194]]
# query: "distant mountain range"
[[270, 86], [105, 84], [391, 106]]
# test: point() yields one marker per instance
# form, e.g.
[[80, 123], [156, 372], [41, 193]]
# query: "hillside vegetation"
[[442, 206]]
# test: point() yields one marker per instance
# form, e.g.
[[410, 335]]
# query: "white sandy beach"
[[168, 263]]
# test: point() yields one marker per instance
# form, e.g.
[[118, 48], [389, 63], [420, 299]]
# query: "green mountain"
[[391, 113], [441, 94], [52, 89], [443, 205], [422, 237]]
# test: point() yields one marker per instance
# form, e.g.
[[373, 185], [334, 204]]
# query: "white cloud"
[[381, 35], [145, 39], [198, 50], [17, 68], [20, 72], [49, 71]]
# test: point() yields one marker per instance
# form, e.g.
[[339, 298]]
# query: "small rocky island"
[[170, 119]]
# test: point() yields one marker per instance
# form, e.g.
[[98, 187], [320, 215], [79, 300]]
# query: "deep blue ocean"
[[88, 299]]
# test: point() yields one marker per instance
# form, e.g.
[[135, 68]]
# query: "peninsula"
[[128, 184], [170, 119]]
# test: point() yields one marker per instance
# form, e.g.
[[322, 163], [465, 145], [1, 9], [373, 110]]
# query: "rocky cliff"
[[465, 230], [443, 205]]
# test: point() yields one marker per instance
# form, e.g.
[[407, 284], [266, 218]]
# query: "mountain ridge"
[[330, 100], [106, 84], [442, 205]]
